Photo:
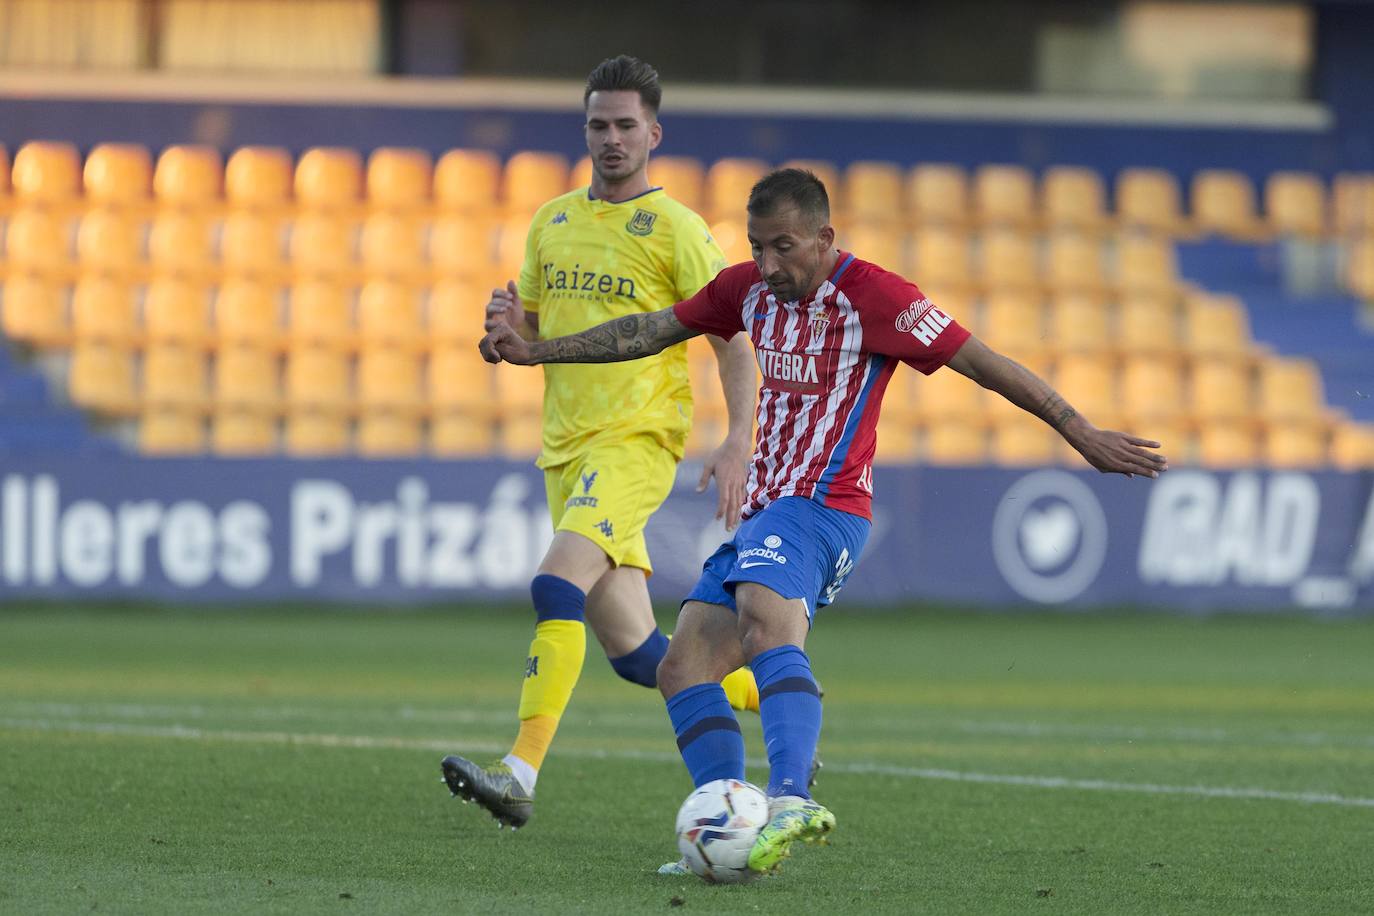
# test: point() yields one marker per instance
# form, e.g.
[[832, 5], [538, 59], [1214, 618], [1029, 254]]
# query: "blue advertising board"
[[408, 532]]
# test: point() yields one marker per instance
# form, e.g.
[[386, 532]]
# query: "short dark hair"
[[625, 73], [796, 187]]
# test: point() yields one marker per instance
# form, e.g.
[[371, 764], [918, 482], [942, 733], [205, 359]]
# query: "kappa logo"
[[604, 526], [642, 223], [922, 320], [532, 666], [560, 217]]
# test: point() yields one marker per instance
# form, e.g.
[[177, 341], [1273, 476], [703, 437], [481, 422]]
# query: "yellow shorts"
[[608, 493]]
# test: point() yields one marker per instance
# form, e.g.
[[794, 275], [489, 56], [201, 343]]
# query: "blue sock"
[[707, 733], [790, 707], [641, 665]]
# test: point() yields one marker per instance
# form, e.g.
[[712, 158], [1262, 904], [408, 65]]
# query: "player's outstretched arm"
[[627, 337], [1109, 452]]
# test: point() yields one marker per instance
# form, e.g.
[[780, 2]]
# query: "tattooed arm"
[[627, 337], [1109, 452]]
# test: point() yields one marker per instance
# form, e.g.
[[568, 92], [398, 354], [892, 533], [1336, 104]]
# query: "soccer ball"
[[717, 826]]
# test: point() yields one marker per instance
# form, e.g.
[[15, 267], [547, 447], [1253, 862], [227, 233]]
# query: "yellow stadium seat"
[[1080, 323], [258, 178], [1004, 195], [181, 242], [459, 381], [1221, 390], [177, 311], [456, 312], [171, 431], [108, 241], [873, 192], [317, 434], [252, 245], [321, 245], [899, 442], [708, 398], [1008, 260], [884, 244], [705, 435], [1287, 444], [521, 436], [392, 246], [243, 433], [728, 183], [1290, 389], [1227, 445], [174, 376], [188, 177], [1217, 325], [246, 377], [1295, 203], [733, 238], [462, 246], [1013, 321], [1146, 264], [1176, 441], [1149, 199], [47, 174], [1352, 203], [329, 178], [388, 434], [118, 175], [1359, 268], [104, 310], [1023, 441], [318, 377], [34, 312], [1352, 446], [1087, 382], [683, 178], [519, 392], [530, 179], [1074, 198], [937, 194], [1147, 324], [399, 180], [955, 443], [467, 181], [1151, 387], [946, 395], [390, 313], [454, 434], [248, 312], [510, 245], [102, 378], [997, 408], [319, 312], [941, 262], [1075, 264], [581, 174], [1223, 201], [38, 241], [389, 378]]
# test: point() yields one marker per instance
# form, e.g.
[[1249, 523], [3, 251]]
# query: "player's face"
[[620, 133], [790, 252]]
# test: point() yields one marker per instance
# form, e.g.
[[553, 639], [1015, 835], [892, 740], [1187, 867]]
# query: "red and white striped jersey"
[[825, 361]]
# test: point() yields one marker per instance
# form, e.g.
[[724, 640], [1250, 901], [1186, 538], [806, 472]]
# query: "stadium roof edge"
[[566, 95]]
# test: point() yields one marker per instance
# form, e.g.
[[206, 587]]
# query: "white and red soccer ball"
[[717, 826]]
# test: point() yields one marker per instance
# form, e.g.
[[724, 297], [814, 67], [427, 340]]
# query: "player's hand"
[[1119, 453], [728, 464], [504, 344], [504, 307]]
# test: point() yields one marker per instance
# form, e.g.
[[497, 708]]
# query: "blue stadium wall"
[[400, 532]]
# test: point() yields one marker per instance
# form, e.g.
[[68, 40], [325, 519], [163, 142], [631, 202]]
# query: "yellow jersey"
[[588, 261]]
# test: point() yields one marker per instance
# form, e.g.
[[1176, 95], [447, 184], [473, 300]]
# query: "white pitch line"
[[368, 742]]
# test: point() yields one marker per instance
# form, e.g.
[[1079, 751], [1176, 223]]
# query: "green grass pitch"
[[286, 761]]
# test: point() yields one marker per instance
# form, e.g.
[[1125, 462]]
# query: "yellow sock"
[[741, 689], [551, 671]]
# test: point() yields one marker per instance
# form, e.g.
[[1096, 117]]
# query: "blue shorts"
[[795, 546]]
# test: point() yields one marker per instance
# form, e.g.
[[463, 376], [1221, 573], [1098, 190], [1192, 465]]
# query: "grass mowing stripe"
[[372, 742]]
